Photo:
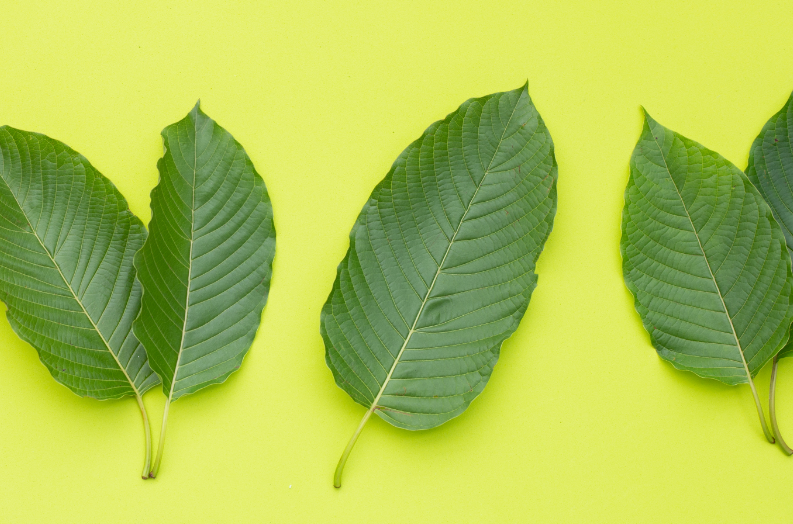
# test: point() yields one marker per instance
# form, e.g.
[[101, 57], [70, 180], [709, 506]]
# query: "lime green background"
[[581, 420]]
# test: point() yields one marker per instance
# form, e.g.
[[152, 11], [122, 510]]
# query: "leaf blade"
[[708, 271], [69, 283], [770, 169], [207, 263], [412, 276]]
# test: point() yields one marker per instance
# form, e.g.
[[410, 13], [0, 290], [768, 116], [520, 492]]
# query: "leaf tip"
[[647, 118]]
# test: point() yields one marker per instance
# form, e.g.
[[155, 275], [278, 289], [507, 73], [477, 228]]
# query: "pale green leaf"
[[206, 265], [441, 264]]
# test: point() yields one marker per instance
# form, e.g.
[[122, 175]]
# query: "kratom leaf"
[[705, 260], [206, 265], [441, 264], [771, 168], [67, 242], [771, 171]]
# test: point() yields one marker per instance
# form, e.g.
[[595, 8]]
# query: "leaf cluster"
[[439, 273], [113, 310]]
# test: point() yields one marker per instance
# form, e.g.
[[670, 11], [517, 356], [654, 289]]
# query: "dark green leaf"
[[206, 265], [771, 168], [771, 171], [67, 242], [441, 264], [704, 259]]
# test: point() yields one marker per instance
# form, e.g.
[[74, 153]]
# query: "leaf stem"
[[161, 445], [772, 409], [760, 413], [348, 449], [147, 432]]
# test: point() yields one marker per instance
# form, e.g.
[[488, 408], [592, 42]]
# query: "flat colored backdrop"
[[581, 420]]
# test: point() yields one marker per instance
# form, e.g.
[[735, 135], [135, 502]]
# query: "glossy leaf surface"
[[441, 263], [67, 242]]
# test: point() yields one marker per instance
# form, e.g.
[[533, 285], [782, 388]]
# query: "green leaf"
[[771, 171], [705, 260], [67, 242], [441, 264], [206, 265]]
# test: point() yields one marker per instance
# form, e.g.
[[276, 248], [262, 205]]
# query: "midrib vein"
[[440, 266], [71, 290], [707, 263], [189, 259]]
